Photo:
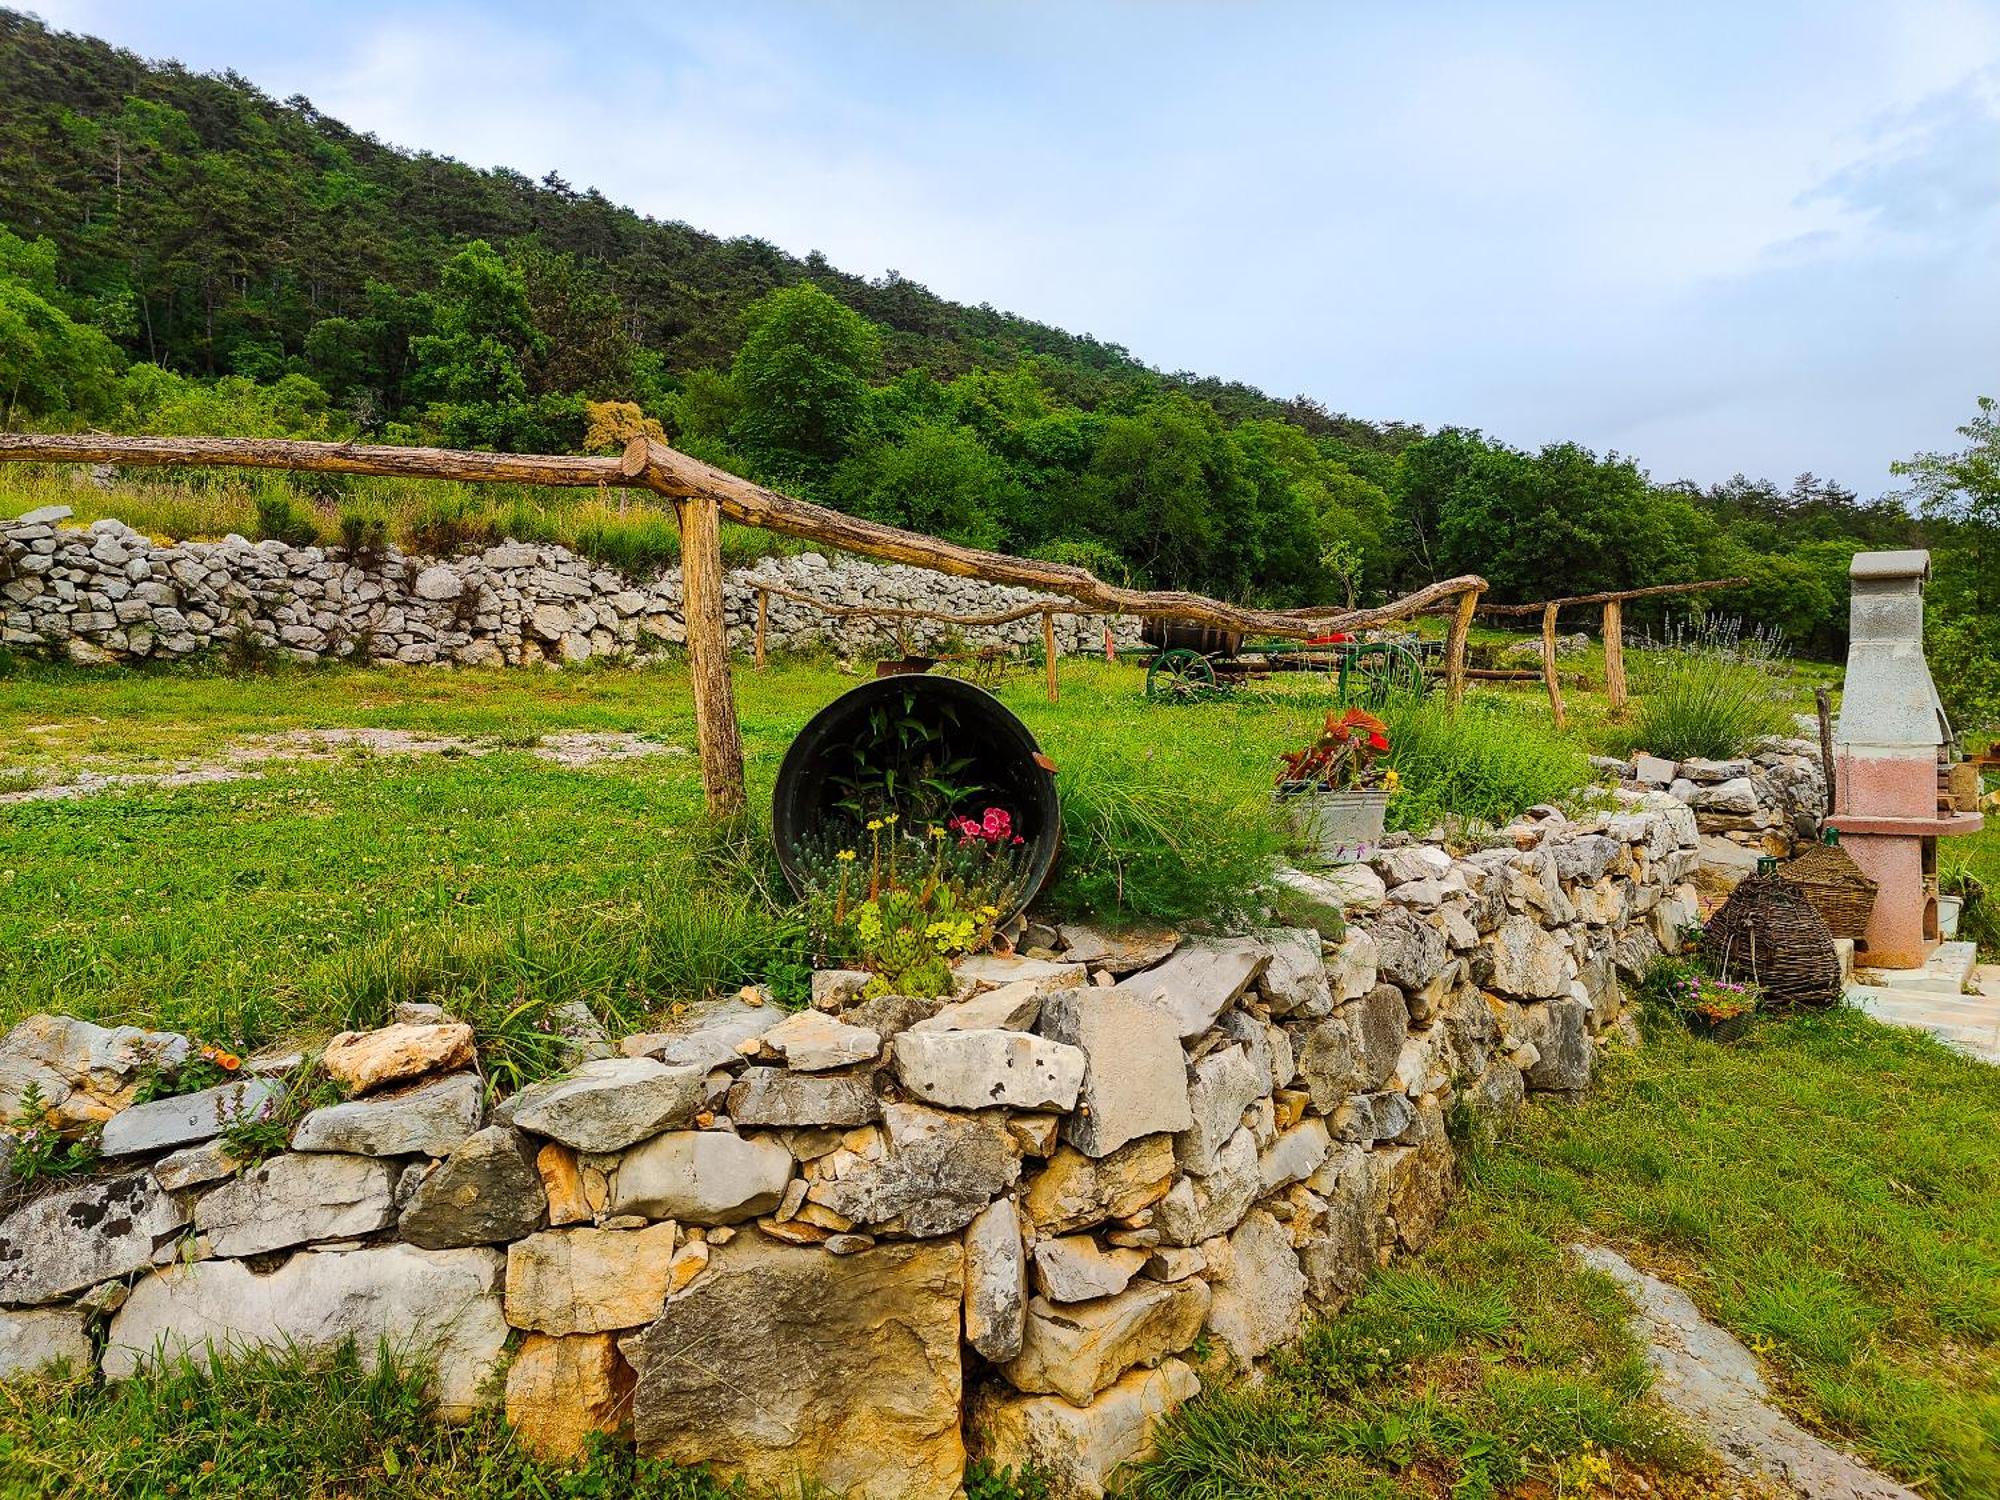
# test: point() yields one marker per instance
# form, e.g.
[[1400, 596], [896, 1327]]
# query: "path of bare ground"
[[1712, 1383], [244, 759]]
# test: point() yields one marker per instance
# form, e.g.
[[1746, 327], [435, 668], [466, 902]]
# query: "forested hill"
[[181, 253], [233, 223]]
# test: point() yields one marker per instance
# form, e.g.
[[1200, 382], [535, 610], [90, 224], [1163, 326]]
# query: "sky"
[[1716, 237]]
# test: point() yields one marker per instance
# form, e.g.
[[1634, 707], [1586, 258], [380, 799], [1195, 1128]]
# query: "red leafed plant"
[[1342, 757]]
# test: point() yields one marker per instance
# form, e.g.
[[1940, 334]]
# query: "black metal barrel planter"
[[934, 750]]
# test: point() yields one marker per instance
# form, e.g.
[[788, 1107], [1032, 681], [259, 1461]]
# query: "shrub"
[[1478, 764], [1710, 691], [364, 533], [280, 518], [451, 523]]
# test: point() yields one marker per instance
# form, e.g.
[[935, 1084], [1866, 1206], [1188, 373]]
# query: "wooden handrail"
[[1614, 596]]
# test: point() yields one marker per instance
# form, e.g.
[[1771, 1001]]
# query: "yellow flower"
[[936, 833], [874, 825], [891, 818], [846, 856], [1391, 780]]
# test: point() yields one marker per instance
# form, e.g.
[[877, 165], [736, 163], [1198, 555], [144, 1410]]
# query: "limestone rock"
[[1378, 1022], [985, 1069], [1262, 1302], [1079, 1449], [195, 1166], [441, 1306], [1120, 952], [1321, 899], [1295, 982], [1293, 1157], [1200, 981], [1409, 950], [561, 1390], [996, 1281], [1354, 967], [1136, 1080], [940, 1170], [1226, 1082], [1560, 1032], [83, 1072], [562, 1184], [784, 1364], [363, 1061], [1196, 1209], [486, 1192], [989, 971], [1012, 1007], [1381, 1116], [1076, 1268], [589, 1280], [184, 1119], [1075, 1191], [74, 1237], [1411, 863], [813, 1042], [1337, 1245], [1077, 1351], [611, 1103], [833, 988], [710, 1038], [296, 1198], [781, 1097], [702, 1177], [425, 1119], [41, 1338], [1528, 961], [1331, 1065], [1738, 795]]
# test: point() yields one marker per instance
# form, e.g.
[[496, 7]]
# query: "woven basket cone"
[[1768, 934], [1835, 886]]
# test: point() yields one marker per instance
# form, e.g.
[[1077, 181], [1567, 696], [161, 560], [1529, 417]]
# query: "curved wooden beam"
[[1613, 596], [677, 476], [317, 458]]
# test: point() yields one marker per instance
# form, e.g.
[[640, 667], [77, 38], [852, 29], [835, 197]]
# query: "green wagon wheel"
[[1378, 673], [1180, 676]]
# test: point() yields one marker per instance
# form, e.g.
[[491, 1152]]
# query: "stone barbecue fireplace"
[[1892, 738]]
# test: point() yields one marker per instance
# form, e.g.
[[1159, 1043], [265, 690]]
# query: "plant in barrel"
[[1335, 790], [914, 823]]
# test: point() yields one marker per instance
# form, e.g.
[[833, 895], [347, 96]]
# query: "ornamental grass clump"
[[1710, 690], [1476, 765], [909, 902]]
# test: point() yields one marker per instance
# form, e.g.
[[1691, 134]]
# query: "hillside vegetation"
[[179, 253]]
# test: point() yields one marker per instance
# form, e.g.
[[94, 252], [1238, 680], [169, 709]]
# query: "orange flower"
[[229, 1062]]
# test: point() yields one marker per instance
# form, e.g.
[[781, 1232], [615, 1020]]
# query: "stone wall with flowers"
[[863, 1241]]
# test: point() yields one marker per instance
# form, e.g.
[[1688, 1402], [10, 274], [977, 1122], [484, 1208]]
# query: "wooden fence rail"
[[701, 495], [1613, 602]]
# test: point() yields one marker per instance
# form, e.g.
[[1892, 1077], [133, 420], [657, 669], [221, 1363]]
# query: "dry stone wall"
[[860, 1242], [106, 593], [1768, 803]]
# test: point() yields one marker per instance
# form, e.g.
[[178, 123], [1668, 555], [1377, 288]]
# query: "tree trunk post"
[[763, 611], [1454, 646], [1049, 648], [1614, 656], [717, 737], [1549, 662]]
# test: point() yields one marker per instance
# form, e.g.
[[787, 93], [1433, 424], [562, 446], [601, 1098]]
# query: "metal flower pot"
[[1337, 828]]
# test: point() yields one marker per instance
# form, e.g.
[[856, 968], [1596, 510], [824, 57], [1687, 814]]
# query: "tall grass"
[[1708, 689], [1480, 764], [432, 517], [293, 1425]]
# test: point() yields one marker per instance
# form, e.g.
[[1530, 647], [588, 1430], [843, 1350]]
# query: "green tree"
[[482, 332], [50, 365], [802, 378], [1958, 495], [938, 479]]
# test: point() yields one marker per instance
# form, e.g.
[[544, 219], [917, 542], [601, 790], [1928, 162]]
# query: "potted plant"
[[1719, 1009], [1334, 792]]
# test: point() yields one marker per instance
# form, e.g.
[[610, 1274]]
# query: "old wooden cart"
[[1195, 662]]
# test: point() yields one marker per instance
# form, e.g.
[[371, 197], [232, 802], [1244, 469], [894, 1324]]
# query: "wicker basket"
[[1835, 886], [1768, 934]]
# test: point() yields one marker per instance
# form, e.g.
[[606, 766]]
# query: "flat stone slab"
[[1120, 952], [185, 1119], [1198, 983], [1712, 1383], [987, 971]]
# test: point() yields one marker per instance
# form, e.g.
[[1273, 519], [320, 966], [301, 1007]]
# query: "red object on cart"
[[1333, 638]]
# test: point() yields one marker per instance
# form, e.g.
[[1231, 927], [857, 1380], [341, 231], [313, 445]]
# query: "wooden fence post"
[[1049, 648], [763, 610], [717, 737], [1614, 656], [1549, 661], [1454, 645]]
